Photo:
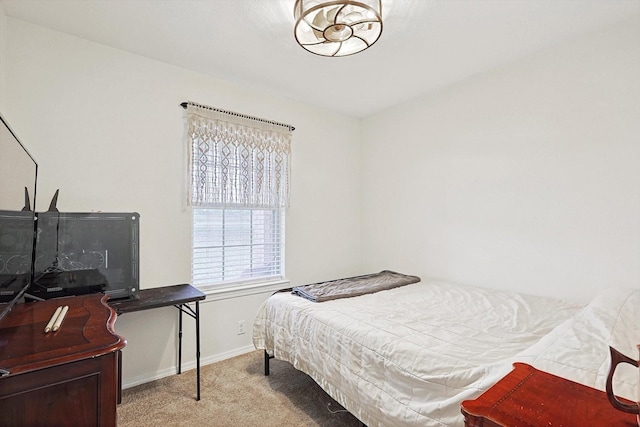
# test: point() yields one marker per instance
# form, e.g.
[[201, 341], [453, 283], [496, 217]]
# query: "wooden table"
[[178, 296], [62, 378], [527, 397]]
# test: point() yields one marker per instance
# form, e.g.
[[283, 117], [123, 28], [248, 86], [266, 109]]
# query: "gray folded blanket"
[[353, 286]]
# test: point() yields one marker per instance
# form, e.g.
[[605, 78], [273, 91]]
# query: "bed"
[[408, 356]]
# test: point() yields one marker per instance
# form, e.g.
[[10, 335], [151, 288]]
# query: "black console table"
[[178, 296]]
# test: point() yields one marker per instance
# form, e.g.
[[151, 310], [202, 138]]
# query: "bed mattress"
[[409, 356]]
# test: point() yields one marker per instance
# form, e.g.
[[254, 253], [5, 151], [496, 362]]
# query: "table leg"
[[180, 341], [198, 346], [195, 314]]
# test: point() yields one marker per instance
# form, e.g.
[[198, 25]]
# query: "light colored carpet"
[[234, 392]]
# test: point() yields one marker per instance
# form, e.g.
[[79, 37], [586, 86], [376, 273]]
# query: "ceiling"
[[425, 44]]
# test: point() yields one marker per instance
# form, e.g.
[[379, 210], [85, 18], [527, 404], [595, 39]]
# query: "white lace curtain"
[[237, 161]]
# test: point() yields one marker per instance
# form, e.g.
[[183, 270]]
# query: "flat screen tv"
[[18, 179]]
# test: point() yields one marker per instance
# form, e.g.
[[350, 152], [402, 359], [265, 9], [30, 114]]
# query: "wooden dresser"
[[527, 397], [65, 378]]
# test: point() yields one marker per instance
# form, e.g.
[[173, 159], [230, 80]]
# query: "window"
[[237, 245], [239, 189]]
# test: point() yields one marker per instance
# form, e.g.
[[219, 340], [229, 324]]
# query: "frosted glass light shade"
[[337, 28]]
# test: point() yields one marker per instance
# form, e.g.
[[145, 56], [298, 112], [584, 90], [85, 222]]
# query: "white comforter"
[[578, 349], [409, 356]]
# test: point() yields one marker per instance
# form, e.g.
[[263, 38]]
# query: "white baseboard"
[[145, 378]]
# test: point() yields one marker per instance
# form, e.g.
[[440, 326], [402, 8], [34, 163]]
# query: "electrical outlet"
[[240, 327]]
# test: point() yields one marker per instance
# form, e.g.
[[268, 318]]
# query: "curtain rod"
[[244, 116]]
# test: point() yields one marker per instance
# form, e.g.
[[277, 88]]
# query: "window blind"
[[236, 245]]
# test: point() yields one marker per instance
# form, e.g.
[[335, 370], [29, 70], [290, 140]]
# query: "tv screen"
[[78, 253], [18, 172], [18, 178]]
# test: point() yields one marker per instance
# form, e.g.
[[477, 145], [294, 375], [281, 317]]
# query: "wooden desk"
[[527, 397], [178, 296], [63, 378]]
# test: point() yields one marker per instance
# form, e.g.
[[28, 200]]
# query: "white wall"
[[106, 129], [523, 178], [3, 54]]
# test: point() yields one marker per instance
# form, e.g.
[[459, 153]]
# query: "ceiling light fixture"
[[337, 27]]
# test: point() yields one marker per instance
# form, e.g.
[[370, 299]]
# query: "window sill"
[[222, 292]]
